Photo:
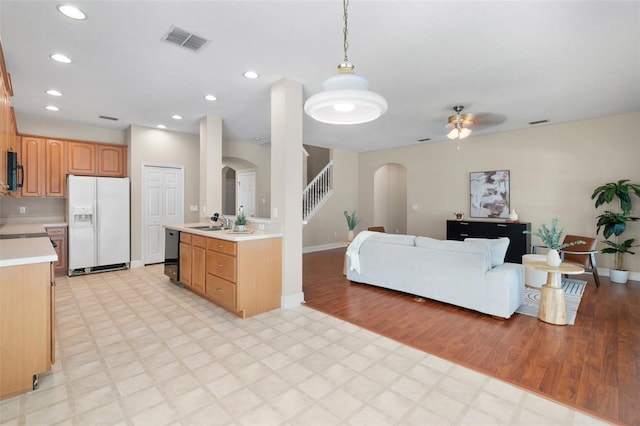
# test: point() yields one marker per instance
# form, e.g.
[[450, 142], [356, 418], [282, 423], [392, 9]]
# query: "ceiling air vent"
[[184, 39], [538, 122], [106, 117]]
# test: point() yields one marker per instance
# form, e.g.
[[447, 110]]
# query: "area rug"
[[573, 290]]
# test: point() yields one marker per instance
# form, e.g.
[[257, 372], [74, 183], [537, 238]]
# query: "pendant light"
[[346, 98], [458, 122]]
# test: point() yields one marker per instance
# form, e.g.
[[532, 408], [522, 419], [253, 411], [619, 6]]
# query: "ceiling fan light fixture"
[[458, 122], [346, 98]]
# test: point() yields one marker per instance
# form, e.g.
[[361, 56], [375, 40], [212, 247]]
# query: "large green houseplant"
[[614, 223]]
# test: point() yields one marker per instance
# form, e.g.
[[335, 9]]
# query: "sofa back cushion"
[[497, 246], [474, 247], [399, 239]]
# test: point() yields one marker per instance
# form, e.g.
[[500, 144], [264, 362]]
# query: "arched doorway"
[[390, 198]]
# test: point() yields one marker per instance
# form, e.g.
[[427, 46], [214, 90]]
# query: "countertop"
[[24, 251], [223, 234]]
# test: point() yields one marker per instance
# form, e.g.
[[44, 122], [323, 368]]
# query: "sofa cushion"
[[478, 247], [399, 239], [497, 246]]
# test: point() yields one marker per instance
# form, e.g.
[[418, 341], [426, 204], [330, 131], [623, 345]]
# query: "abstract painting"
[[490, 194]]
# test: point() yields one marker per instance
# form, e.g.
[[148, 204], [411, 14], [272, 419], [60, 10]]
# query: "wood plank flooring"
[[592, 366]]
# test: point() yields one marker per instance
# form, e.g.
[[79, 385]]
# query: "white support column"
[[210, 165], [286, 183]]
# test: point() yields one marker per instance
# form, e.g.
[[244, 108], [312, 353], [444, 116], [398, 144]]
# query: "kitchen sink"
[[208, 228]]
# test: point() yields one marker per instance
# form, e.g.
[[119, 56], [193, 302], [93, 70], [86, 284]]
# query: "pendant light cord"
[[345, 31]]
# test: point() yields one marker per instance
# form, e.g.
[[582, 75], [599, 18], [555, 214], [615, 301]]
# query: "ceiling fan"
[[462, 125]]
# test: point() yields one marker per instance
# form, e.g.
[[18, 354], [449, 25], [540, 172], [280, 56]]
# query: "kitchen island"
[[27, 307], [239, 271]]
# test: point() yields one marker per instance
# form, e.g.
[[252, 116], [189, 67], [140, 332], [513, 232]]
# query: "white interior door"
[[246, 194], [163, 204]]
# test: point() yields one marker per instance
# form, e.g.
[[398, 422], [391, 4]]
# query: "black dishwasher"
[[171, 254]]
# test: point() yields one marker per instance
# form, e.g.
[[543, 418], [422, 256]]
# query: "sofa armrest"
[[505, 288]]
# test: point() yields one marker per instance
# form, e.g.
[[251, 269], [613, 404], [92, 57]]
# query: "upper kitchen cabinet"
[[112, 160], [44, 167], [96, 159], [8, 131], [81, 158]]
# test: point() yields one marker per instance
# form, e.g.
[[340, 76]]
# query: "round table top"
[[564, 268]]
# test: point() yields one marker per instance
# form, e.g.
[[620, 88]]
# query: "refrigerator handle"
[[96, 226]]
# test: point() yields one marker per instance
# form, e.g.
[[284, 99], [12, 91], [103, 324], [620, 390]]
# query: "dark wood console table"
[[519, 243]]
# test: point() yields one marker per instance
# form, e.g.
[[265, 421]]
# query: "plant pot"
[[350, 236], [553, 258], [617, 276], [240, 228]]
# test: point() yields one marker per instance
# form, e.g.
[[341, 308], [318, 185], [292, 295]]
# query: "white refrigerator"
[[98, 218]]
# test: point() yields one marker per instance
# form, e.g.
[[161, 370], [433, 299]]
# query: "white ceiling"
[[518, 61]]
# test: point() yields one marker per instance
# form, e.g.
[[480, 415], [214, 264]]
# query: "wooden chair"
[[582, 254], [376, 228]]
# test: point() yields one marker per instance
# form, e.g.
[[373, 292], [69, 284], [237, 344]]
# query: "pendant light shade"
[[346, 98]]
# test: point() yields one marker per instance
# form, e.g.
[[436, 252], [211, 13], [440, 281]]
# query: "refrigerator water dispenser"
[[83, 216]]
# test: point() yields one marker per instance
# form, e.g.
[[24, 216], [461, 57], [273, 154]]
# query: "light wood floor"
[[593, 366]]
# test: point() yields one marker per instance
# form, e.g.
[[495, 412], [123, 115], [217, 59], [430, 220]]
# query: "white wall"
[[38, 126], [155, 146], [554, 170]]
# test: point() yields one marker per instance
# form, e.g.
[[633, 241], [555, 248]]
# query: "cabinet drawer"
[[52, 232], [222, 265], [221, 292], [199, 241], [222, 246], [185, 237]]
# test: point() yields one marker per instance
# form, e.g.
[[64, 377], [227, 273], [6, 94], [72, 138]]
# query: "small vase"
[[553, 258], [350, 235], [513, 217]]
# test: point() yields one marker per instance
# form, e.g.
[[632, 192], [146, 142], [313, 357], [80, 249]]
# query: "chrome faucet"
[[226, 223]]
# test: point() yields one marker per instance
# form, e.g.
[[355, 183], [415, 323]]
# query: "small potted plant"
[[241, 222], [552, 239], [615, 223], [352, 222]]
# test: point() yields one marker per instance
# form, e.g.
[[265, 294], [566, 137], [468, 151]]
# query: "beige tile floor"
[[134, 349]]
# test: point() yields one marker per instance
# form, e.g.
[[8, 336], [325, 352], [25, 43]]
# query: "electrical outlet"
[[23, 209], [194, 208], [261, 226]]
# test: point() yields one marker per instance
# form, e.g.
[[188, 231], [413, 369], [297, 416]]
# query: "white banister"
[[317, 192]]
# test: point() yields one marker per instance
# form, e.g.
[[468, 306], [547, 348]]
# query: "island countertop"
[[224, 234]]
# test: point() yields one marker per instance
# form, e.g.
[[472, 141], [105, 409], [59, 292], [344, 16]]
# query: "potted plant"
[[352, 222], [552, 239], [615, 223], [241, 222]]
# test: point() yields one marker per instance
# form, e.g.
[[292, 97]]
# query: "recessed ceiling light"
[[251, 74], [71, 11], [257, 139], [52, 108], [161, 126], [53, 93], [211, 98], [176, 117], [60, 58]]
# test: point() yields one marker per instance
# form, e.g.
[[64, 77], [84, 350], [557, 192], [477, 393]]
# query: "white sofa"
[[471, 274]]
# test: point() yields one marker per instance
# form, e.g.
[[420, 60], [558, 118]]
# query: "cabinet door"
[[59, 236], [198, 273], [185, 264], [81, 158], [55, 170], [111, 160], [33, 161]]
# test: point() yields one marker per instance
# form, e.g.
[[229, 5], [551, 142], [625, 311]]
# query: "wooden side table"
[[553, 308]]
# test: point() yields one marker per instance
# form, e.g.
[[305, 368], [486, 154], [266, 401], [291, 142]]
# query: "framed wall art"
[[490, 194]]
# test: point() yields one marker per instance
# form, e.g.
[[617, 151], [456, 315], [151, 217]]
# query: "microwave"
[[12, 172]]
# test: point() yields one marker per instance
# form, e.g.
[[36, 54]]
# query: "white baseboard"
[[292, 300], [322, 247], [136, 264]]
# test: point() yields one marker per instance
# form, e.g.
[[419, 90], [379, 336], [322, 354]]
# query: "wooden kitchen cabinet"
[[112, 160], [58, 235], [192, 261], [33, 161], [27, 334], [8, 128], [81, 158], [184, 259], [44, 167]]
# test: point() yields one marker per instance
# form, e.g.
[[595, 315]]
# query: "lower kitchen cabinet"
[[243, 277], [27, 326], [58, 235]]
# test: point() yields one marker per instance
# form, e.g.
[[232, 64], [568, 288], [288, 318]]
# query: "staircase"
[[317, 192]]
